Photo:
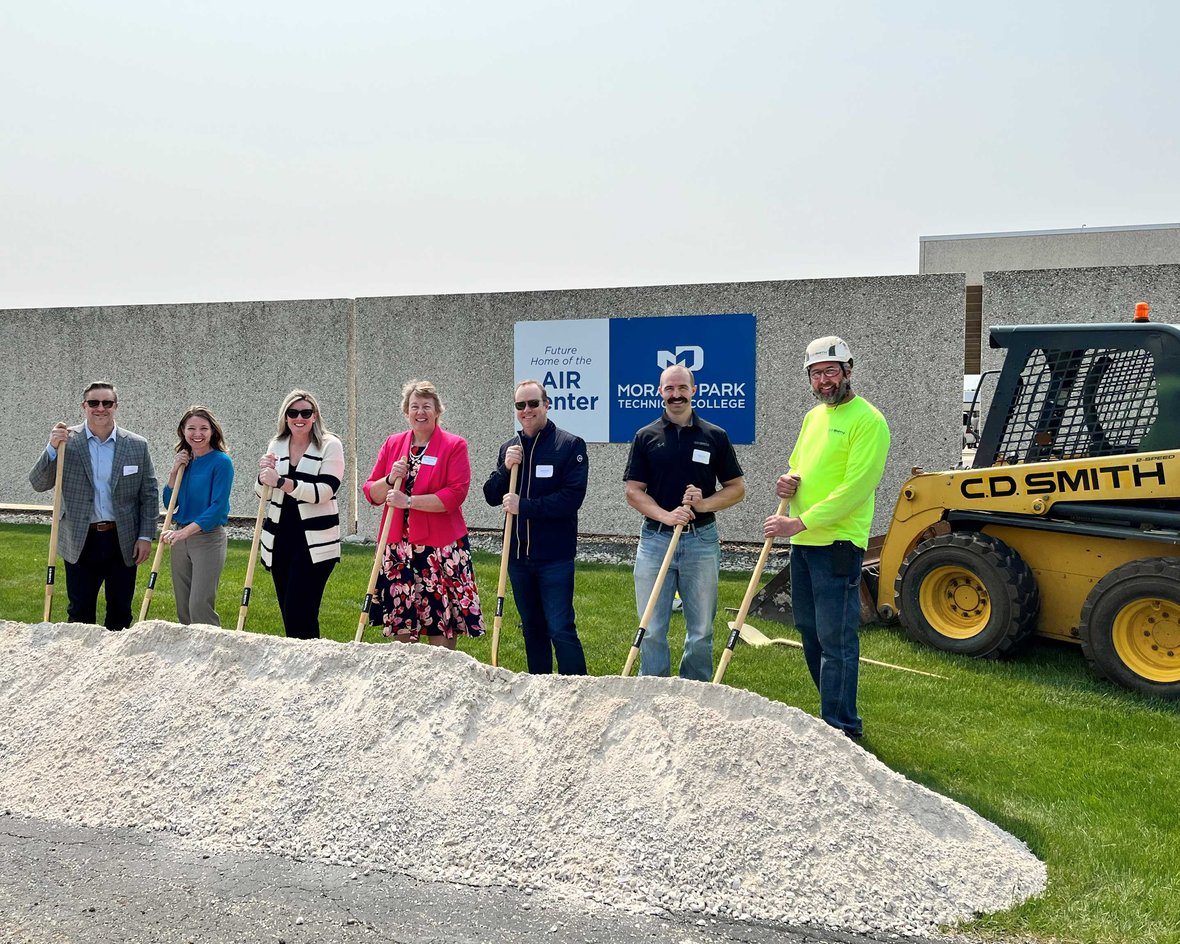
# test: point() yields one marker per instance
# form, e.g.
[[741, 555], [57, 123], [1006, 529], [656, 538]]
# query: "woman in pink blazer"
[[428, 585]]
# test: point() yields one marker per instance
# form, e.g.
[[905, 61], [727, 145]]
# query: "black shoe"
[[115, 629], [857, 736]]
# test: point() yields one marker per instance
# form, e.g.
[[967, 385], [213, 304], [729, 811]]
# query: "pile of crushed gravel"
[[644, 794]]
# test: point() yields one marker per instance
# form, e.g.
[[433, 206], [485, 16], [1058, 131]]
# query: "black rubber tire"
[[967, 593], [1130, 626]]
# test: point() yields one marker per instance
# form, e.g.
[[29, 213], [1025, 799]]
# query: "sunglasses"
[[105, 404], [292, 413], [531, 404]]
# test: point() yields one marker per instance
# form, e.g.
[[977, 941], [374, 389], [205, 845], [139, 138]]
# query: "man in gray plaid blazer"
[[110, 503]]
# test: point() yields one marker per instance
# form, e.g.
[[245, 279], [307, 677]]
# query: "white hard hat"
[[830, 348]]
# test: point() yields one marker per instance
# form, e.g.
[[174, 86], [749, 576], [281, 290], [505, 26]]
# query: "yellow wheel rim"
[[1146, 636], [955, 602]]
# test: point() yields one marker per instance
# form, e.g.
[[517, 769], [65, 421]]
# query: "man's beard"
[[839, 395]]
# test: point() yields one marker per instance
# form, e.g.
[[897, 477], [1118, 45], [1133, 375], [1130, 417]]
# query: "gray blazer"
[[135, 495]]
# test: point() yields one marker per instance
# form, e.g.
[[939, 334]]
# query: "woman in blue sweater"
[[197, 537]]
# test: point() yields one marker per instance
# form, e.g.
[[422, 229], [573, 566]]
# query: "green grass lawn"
[[1086, 774]]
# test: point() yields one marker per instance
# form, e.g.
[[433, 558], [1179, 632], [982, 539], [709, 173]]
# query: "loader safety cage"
[[1077, 391]]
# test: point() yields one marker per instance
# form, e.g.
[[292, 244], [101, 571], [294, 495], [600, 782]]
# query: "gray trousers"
[[196, 571]]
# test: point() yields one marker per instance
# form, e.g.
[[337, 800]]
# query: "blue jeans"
[[544, 595], [827, 615], [693, 573]]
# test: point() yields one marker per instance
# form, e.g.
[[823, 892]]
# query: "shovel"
[[502, 586], [244, 608], [151, 584], [735, 628], [651, 600], [758, 639]]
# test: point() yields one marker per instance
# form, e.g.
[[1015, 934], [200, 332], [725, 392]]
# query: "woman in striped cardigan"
[[303, 465]]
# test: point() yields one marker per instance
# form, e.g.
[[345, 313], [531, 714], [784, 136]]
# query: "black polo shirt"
[[669, 458]]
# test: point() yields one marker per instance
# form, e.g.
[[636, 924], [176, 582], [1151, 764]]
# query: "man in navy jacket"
[[551, 486]]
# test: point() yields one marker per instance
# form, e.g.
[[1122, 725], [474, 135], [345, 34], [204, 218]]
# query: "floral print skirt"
[[429, 590]]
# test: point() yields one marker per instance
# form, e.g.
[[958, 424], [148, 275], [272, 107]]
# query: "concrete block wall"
[[240, 359], [905, 333], [237, 358], [1076, 296], [979, 253]]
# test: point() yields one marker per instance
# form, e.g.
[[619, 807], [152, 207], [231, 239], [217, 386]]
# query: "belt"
[[102, 526], [658, 527]]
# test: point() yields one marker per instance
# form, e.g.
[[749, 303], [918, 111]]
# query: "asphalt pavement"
[[64, 884]]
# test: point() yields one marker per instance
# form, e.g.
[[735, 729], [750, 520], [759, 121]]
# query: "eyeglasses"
[[531, 404], [292, 413], [105, 404], [831, 373]]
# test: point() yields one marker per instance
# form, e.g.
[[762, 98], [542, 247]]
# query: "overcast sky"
[[249, 149]]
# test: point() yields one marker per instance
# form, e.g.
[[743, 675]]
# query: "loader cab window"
[[1080, 403]]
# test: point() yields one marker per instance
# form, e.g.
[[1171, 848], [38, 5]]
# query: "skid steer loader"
[[1068, 523]]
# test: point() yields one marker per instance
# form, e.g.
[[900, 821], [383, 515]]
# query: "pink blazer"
[[445, 472]]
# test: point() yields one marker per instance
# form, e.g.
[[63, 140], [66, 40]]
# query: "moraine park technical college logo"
[[603, 374]]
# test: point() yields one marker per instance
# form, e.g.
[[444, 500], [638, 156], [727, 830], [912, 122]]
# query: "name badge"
[[130, 469], [701, 455], [430, 460], [544, 471]]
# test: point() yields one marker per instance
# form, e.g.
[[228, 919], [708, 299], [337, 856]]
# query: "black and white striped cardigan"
[[317, 478]]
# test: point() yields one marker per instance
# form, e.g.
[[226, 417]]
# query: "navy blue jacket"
[[552, 485]]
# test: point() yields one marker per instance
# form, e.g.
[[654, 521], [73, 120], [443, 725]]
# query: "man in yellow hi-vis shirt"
[[835, 468]]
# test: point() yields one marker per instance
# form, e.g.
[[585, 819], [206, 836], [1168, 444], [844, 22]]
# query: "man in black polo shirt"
[[672, 476]]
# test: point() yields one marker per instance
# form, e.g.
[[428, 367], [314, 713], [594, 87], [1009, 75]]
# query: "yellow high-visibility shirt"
[[840, 458]]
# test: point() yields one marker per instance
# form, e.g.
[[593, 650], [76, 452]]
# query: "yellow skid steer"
[[1068, 523]]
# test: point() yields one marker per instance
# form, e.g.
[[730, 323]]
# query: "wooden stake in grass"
[[651, 600], [502, 586], [378, 558], [151, 584], [735, 628], [245, 607], [51, 569]]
